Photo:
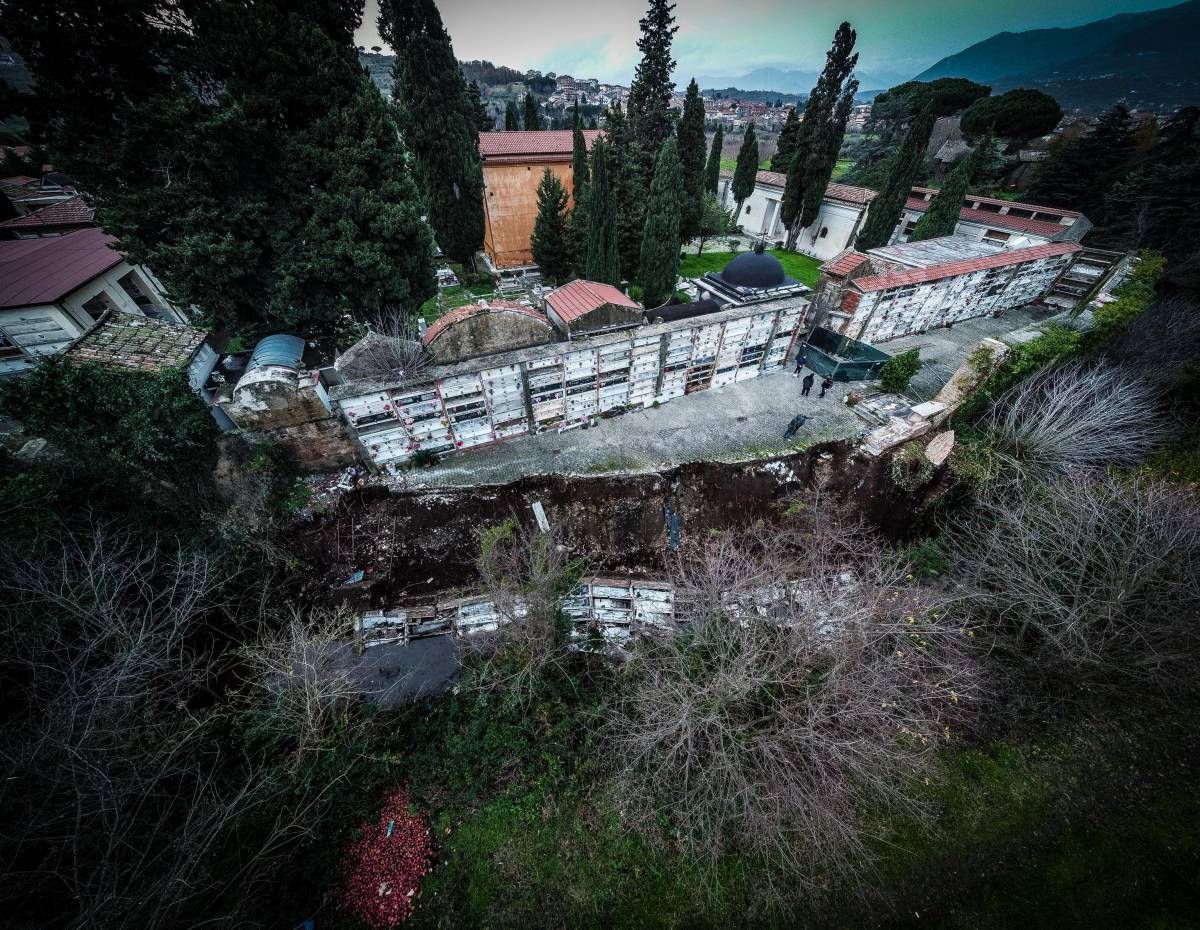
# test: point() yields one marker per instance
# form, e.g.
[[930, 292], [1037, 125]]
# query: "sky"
[[897, 39]]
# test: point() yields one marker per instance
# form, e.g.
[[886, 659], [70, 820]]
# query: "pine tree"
[[650, 93], [551, 239], [745, 174], [690, 135], [437, 122], [941, 218], [533, 120], [1078, 173], [712, 170], [511, 122], [786, 146], [255, 202], [660, 239], [602, 263], [886, 209], [819, 135], [483, 116]]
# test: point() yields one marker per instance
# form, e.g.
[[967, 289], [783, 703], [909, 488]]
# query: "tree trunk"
[[793, 234]]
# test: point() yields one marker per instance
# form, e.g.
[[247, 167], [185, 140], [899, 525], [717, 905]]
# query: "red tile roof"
[[458, 314], [844, 192], [952, 269], [571, 301], [975, 198], [998, 220], [42, 271], [844, 263], [543, 142], [73, 212]]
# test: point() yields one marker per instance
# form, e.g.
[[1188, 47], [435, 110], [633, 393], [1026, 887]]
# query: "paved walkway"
[[729, 424]]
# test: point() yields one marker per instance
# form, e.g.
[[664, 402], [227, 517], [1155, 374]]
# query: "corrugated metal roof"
[[952, 269], [459, 314], [280, 350], [571, 301], [537, 142], [43, 271]]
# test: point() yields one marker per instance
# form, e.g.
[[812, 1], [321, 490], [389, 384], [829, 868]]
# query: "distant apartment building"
[[55, 288], [513, 163], [843, 210]]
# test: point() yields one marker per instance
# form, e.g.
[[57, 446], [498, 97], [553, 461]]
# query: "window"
[[824, 231], [96, 306], [747, 208], [909, 227], [996, 237]]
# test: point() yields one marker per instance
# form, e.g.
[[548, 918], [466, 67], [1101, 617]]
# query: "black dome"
[[757, 270]]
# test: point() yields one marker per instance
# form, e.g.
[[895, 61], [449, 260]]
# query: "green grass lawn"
[[843, 165], [731, 163], [801, 267]]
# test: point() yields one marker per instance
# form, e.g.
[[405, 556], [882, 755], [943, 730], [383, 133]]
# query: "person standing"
[[801, 359], [806, 384], [826, 385]]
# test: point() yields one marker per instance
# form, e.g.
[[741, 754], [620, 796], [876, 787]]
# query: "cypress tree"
[[551, 239], [941, 218], [437, 123], [650, 93], [886, 209], [602, 263], [782, 158], [819, 136], [712, 170], [746, 172], [511, 122], [660, 239], [690, 135], [579, 160], [483, 117], [533, 120], [626, 168]]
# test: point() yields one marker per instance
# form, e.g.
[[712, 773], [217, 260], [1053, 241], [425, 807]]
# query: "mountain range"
[[787, 82], [1147, 60]]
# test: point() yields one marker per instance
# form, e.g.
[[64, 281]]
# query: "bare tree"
[[1089, 576], [1074, 416], [125, 802], [812, 680], [300, 666], [525, 573], [387, 353], [1160, 342]]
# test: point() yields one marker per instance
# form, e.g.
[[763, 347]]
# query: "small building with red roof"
[[513, 163], [584, 308], [485, 328], [53, 289]]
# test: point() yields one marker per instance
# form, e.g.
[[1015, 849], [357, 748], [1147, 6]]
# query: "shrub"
[[1018, 114], [1072, 417], [1095, 576], [116, 423], [899, 370]]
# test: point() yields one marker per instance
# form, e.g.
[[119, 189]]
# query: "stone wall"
[[487, 334]]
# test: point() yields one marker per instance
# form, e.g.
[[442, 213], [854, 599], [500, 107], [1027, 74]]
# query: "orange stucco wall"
[[510, 208]]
